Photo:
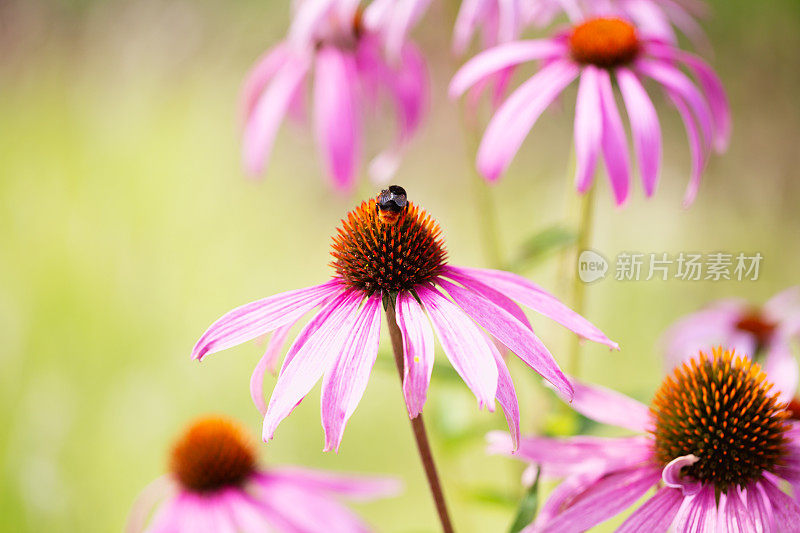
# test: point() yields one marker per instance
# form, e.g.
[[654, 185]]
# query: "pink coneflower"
[[350, 76], [717, 445], [215, 484], [389, 252], [766, 332], [594, 51]]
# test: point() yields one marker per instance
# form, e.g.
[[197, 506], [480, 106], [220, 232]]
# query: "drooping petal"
[[535, 297], [514, 119], [678, 83], [656, 514], [588, 128], [785, 510], [418, 352], [781, 367], [267, 115], [610, 407], [499, 58], [696, 148], [259, 76], [262, 316], [607, 497], [498, 298], [314, 354], [344, 384], [784, 305], [464, 344], [614, 143], [246, 515], [268, 361], [511, 332], [644, 126], [466, 23], [758, 506], [733, 515], [302, 509], [507, 396], [567, 491], [701, 330], [306, 22], [397, 26], [156, 491], [336, 120], [357, 488], [564, 457], [698, 512], [712, 86]]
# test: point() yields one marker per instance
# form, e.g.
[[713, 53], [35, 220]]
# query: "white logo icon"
[[591, 266]]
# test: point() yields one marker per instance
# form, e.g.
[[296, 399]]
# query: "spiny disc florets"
[[604, 42], [213, 453], [721, 410], [388, 244]]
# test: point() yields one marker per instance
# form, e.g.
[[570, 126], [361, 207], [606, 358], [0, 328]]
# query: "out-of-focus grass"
[[126, 227]]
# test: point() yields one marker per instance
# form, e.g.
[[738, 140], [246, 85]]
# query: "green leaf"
[[526, 511], [542, 244]]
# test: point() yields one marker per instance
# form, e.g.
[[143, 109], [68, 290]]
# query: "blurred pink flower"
[[764, 333], [215, 485], [715, 443], [594, 51], [388, 251], [330, 40]]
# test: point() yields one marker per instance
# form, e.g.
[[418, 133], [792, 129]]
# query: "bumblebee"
[[392, 202]]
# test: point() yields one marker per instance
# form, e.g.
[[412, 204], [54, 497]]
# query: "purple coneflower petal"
[[344, 384], [418, 351], [644, 126], [156, 491], [465, 345], [783, 305], [733, 515], [398, 24], [559, 499], [511, 332], [314, 354], [466, 22], [246, 514], [259, 76], [499, 58], [607, 497], [758, 505], [656, 514], [336, 121], [263, 123], [672, 476], [269, 361], [687, 24], [262, 316], [535, 297], [588, 129], [464, 278], [507, 396], [614, 143], [356, 488], [698, 152], [712, 86], [610, 407], [306, 21], [785, 511], [713, 325], [678, 83], [698, 512]]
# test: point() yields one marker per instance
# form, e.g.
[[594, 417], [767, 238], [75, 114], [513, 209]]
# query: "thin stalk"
[[578, 286], [417, 424]]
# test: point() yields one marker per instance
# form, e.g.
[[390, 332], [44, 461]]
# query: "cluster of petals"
[[340, 343], [603, 476], [281, 499], [342, 51], [598, 126], [726, 323]]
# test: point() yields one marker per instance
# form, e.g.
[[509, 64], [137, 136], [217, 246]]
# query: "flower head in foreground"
[[766, 332], [215, 484], [350, 76], [390, 250], [717, 443], [597, 51]]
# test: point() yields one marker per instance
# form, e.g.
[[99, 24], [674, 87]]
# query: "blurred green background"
[[126, 227]]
